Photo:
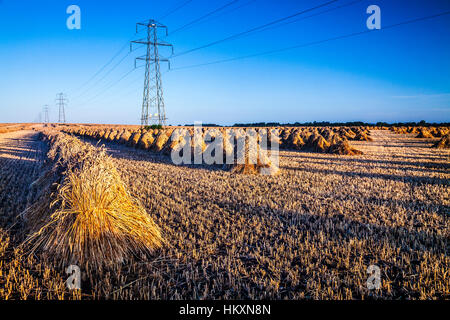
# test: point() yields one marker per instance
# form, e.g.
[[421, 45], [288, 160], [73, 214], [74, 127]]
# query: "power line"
[[311, 15], [315, 42], [188, 25], [106, 64], [228, 11], [306, 17], [175, 9], [128, 86], [131, 85], [179, 29], [120, 61], [103, 67], [110, 85], [119, 52], [193, 22], [106, 74], [254, 29], [221, 13]]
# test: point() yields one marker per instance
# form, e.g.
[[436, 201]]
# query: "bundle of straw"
[[89, 218]]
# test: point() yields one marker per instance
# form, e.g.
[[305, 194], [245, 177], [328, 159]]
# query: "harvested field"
[[309, 232], [172, 153]]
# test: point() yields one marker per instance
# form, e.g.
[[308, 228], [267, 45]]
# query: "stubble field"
[[309, 232]]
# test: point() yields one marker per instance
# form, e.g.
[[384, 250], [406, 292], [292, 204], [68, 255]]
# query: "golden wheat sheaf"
[[93, 219]]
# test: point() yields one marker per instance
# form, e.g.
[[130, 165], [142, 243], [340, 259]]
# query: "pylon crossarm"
[[138, 41], [153, 43], [144, 58], [151, 24]]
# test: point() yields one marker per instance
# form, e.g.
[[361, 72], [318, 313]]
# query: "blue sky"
[[398, 74]]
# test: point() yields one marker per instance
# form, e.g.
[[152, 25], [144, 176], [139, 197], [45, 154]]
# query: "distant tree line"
[[153, 126], [422, 123], [203, 125]]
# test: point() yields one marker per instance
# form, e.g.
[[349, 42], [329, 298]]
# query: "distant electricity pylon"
[[61, 101], [46, 119], [153, 101]]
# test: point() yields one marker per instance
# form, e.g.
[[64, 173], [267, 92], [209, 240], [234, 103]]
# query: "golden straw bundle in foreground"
[[89, 219]]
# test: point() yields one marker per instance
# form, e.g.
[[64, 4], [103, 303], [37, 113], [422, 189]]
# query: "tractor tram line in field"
[[22, 154]]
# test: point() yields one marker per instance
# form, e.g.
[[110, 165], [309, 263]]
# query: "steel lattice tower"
[[46, 119], [61, 100], [153, 109]]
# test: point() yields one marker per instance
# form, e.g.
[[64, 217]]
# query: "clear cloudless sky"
[[398, 74]]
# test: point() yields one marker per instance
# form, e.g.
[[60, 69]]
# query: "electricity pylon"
[[153, 108], [62, 101], [46, 119]]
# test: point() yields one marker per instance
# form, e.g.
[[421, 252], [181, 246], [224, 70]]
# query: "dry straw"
[[89, 219], [424, 133], [444, 143]]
